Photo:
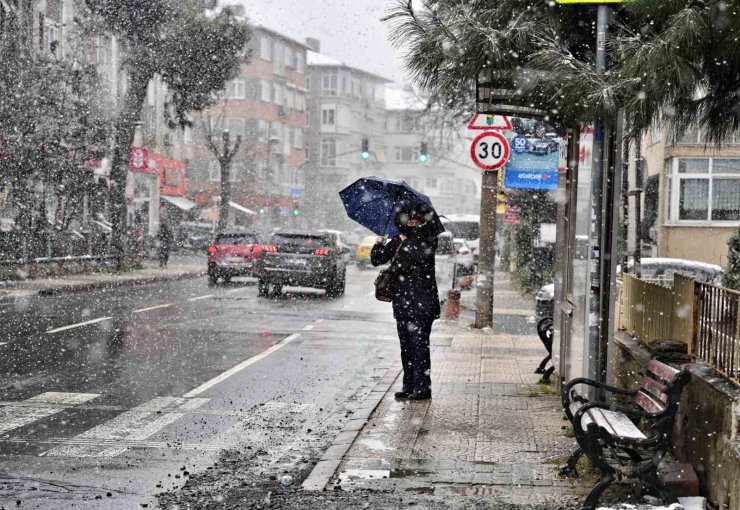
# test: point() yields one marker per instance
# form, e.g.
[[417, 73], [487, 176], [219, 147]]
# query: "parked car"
[[233, 253], [194, 235], [663, 269], [362, 253], [465, 260], [465, 226], [302, 258]]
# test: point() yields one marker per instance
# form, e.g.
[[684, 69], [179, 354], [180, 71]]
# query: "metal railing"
[[646, 309], [717, 327]]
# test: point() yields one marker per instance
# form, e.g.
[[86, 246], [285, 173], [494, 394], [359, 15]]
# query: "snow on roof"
[[320, 60], [403, 98]]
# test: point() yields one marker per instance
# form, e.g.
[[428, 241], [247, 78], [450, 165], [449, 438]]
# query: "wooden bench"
[[626, 441]]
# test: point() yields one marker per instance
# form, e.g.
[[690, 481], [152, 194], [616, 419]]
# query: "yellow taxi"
[[363, 251]]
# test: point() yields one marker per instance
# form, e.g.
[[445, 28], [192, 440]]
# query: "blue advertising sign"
[[533, 163], [296, 193]]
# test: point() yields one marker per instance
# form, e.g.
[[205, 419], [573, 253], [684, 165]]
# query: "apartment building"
[[266, 105], [447, 176], [698, 195], [346, 106]]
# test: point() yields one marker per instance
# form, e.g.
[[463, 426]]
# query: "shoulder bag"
[[386, 284]]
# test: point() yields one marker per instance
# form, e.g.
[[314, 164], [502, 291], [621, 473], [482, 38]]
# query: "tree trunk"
[[124, 138], [223, 215]]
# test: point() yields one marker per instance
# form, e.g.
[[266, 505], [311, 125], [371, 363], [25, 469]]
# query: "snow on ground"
[[693, 503]]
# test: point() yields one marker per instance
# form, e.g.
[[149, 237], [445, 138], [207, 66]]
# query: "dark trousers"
[[414, 336]]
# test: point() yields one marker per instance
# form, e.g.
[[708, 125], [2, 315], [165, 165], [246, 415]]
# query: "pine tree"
[[732, 273]]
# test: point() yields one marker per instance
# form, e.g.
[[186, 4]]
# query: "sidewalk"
[[490, 431], [180, 266]]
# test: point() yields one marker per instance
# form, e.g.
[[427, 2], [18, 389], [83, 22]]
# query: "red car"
[[234, 253]]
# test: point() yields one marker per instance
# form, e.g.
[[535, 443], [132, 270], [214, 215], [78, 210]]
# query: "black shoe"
[[401, 395], [420, 396]]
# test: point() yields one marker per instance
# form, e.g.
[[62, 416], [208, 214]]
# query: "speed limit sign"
[[490, 150]]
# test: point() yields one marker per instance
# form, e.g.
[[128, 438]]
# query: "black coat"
[[414, 267]]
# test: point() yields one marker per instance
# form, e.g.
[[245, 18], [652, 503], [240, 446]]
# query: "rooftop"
[[316, 59]]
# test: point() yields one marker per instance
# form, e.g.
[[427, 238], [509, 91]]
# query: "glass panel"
[[726, 166], [668, 195], [726, 199], [693, 166], [694, 199]]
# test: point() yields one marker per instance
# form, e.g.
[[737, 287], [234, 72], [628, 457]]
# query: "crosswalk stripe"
[[135, 425], [39, 407]]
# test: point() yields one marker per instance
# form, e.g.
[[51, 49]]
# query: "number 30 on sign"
[[490, 150]]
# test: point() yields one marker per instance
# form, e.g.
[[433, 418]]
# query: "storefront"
[[142, 191]]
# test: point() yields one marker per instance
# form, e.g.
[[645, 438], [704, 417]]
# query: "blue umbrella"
[[373, 202]]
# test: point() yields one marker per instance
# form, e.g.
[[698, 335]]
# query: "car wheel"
[[227, 279], [212, 278], [263, 289], [277, 290]]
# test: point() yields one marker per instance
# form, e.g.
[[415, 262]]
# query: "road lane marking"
[[308, 328], [116, 436], [79, 325], [231, 291], [39, 407], [157, 307], [129, 444], [3, 343], [241, 366], [200, 297]]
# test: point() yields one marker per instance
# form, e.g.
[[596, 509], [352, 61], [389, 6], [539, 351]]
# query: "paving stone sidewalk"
[[180, 266], [490, 429]]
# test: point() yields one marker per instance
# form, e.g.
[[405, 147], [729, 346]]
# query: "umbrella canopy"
[[374, 202]]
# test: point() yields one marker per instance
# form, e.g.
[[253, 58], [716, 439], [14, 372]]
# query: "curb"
[[83, 287], [324, 470]]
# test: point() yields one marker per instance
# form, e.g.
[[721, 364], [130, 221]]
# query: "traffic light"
[[365, 153], [296, 209], [262, 210], [423, 153]]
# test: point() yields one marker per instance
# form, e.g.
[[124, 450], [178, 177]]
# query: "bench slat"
[[615, 423], [662, 371], [648, 403], [654, 388]]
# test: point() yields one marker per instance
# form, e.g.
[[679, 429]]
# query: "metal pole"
[[597, 194], [487, 251], [638, 208]]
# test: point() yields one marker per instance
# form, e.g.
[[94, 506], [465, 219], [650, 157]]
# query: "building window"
[[703, 190], [298, 139], [329, 84], [265, 90], [214, 171], [265, 48], [327, 116], [403, 154], [405, 123], [431, 182], [300, 62], [328, 152], [236, 89], [235, 127]]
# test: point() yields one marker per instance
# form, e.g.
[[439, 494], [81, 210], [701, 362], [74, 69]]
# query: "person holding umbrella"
[[416, 303]]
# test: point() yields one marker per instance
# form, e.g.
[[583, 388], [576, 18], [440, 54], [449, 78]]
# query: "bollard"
[[452, 305]]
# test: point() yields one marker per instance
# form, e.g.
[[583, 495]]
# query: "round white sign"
[[490, 150]]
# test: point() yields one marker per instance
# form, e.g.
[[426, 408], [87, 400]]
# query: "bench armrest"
[[567, 398]]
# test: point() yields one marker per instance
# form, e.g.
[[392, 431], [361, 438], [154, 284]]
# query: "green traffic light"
[[262, 210], [296, 212], [365, 155], [423, 158]]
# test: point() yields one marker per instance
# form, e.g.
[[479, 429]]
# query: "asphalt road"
[[111, 396]]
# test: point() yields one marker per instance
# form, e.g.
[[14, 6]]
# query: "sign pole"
[[486, 251], [597, 348]]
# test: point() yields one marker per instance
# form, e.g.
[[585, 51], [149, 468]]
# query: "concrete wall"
[[706, 432], [706, 244]]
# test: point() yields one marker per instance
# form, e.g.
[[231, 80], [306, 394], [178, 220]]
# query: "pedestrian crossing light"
[[423, 153], [365, 153]]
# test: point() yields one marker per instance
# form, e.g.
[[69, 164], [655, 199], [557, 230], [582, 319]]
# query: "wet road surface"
[[111, 396]]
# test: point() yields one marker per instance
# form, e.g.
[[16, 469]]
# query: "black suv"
[[305, 259]]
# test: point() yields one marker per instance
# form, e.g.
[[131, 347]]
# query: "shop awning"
[[180, 202], [241, 208]]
